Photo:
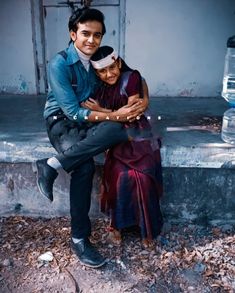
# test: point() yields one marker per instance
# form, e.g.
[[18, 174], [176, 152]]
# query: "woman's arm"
[[145, 102], [135, 105], [136, 98]]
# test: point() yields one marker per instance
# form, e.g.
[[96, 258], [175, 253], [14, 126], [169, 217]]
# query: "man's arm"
[[94, 105], [60, 83], [123, 114]]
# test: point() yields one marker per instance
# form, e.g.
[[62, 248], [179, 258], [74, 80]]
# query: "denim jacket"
[[62, 95]]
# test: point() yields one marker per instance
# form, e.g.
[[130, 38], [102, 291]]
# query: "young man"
[[70, 128]]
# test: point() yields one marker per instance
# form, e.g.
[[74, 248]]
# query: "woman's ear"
[[73, 36]]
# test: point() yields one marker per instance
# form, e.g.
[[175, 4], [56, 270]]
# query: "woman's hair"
[[83, 15], [103, 52]]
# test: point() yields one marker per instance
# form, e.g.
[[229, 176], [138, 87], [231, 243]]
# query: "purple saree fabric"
[[132, 179]]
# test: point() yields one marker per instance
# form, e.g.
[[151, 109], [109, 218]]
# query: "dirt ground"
[[182, 259]]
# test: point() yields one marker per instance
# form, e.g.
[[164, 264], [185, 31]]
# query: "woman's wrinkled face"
[[110, 74]]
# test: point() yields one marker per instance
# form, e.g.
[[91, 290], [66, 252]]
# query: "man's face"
[[88, 37]]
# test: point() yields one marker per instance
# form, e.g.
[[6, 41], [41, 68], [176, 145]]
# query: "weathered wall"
[[17, 73], [179, 45]]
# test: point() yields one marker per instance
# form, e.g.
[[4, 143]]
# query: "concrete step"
[[198, 169]]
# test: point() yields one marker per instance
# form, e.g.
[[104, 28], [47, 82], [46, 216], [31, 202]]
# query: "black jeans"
[[76, 145]]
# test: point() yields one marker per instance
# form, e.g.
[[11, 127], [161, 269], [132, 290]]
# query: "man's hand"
[[92, 105], [133, 99], [128, 113]]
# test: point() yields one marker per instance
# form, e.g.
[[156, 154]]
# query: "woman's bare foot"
[[147, 243], [114, 236]]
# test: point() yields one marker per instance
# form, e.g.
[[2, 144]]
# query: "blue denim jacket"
[[62, 95]]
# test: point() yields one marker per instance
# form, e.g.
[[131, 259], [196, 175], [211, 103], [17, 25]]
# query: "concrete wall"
[[185, 201], [17, 73], [179, 45]]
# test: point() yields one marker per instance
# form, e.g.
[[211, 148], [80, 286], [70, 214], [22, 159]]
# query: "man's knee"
[[109, 129], [112, 125]]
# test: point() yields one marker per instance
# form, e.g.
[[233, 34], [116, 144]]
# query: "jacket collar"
[[72, 55]]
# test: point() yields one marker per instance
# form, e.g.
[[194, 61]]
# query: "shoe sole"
[[87, 265], [93, 266]]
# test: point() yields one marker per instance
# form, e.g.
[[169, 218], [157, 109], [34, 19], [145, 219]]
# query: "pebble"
[[7, 262], [144, 252], [47, 256]]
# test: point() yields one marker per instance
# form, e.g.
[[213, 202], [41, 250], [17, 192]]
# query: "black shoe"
[[87, 254], [46, 176]]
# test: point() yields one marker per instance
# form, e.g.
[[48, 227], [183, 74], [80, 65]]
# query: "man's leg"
[[74, 152], [99, 138], [80, 199], [63, 135]]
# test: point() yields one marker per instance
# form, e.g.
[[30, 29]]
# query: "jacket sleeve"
[[60, 83]]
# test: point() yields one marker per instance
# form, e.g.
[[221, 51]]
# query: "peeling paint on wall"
[[23, 84], [18, 85], [186, 93]]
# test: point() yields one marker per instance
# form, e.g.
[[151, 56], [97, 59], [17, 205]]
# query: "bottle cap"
[[231, 42]]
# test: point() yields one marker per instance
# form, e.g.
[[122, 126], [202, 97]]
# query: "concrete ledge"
[[190, 128], [198, 167], [192, 195]]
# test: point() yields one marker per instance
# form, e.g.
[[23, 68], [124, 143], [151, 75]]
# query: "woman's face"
[[111, 73]]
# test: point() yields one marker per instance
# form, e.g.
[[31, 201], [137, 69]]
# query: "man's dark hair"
[[83, 15]]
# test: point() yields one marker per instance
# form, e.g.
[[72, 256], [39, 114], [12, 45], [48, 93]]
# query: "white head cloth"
[[106, 61]]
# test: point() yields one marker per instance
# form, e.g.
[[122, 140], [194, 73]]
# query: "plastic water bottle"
[[228, 92], [228, 127]]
